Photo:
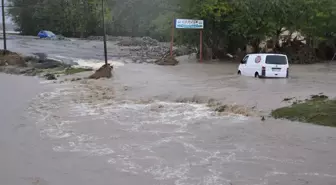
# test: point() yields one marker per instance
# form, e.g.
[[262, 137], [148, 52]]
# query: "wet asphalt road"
[[130, 130]]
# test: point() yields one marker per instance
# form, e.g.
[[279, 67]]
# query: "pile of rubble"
[[299, 53], [146, 50], [143, 41]]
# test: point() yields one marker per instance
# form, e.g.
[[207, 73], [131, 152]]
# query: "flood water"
[[132, 129]]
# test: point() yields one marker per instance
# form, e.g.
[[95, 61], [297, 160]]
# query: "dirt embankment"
[[35, 65]]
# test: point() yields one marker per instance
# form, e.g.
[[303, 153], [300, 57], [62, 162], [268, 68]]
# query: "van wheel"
[[287, 75], [239, 73], [256, 75]]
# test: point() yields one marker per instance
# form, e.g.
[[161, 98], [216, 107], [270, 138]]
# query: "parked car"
[[46, 34], [264, 65]]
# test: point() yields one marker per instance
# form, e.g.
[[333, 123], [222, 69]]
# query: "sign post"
[[201, 45], [188, 24], [104, 29], [172, 38]]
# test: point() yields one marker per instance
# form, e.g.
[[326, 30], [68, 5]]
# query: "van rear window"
[[276, 59]]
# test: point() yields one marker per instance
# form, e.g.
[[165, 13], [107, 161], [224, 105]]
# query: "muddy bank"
[[37, 64], [318, 109]]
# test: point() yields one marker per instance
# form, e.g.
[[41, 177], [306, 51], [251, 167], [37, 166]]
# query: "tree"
[[66, 17]]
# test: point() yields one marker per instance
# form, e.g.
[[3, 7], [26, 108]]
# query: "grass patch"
[[58, 71], [318, 110], [72, 70]]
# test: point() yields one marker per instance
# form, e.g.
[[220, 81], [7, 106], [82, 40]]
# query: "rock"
[[48, 64], [41, 61], [103, 72], [76, 79], [50, 76], [263, 118], [167, 61], [41, 56]]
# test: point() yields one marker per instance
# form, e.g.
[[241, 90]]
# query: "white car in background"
[[264, 65]]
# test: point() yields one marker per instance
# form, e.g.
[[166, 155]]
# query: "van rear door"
[[276, 63]]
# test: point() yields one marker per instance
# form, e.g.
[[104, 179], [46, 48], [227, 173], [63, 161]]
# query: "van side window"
[[244, 59]]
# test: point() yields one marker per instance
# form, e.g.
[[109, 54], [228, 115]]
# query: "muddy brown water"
[[131, 130]]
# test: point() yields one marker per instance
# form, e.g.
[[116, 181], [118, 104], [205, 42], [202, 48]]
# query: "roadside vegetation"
[[303, 29], [73, 70], [318, 110]]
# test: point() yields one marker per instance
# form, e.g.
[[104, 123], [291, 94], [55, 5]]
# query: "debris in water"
[[287, 99], [219, 107], [263, 118], [167, 60], [319, 97], [76, 79], [103, 72], [233, 109], [50, 76]]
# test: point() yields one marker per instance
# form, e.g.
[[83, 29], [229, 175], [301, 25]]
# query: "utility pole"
[[103, 19], [4, 25]]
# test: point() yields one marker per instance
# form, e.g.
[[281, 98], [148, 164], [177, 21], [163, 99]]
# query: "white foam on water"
[[286, 161], [168, 118], [96, 64], [45, 107], [317, 174], [88, 63], [46, 81]]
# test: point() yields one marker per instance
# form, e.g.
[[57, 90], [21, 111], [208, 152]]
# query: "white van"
[[264, 65]]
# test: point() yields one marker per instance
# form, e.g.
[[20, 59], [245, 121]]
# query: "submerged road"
[[28, 159], [132, 130]]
